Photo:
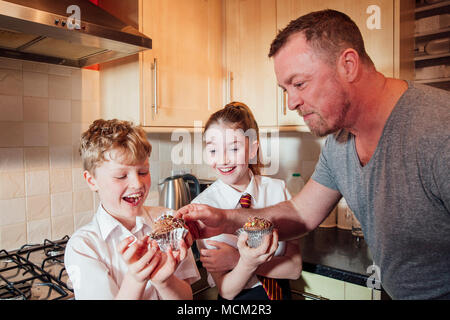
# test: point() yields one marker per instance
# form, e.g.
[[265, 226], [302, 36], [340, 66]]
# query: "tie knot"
[[246, 200]]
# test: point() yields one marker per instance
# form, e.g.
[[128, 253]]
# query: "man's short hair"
[[107, 135], [329, 32]]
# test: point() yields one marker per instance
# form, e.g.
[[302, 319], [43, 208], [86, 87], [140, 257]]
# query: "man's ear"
[[348, 64], [90, 180]]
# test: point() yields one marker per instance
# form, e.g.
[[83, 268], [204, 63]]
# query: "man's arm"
[[292, 218]]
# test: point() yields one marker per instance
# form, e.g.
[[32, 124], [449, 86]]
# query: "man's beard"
[[322, 128]]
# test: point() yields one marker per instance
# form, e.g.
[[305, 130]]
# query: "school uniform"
[[264, 192], [95, 267]]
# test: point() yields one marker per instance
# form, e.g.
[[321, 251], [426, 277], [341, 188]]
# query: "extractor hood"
[[74, 33]]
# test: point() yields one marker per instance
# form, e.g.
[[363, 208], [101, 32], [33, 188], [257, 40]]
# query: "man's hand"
[[222, 259], [204, 221]]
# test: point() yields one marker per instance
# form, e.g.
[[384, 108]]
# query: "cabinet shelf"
[[437, 80], [432, 9], [431, 56], [441, 33]]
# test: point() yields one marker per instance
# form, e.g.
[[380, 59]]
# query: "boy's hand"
[[141, 257], [253, 257], [223, 258], [168, 264]]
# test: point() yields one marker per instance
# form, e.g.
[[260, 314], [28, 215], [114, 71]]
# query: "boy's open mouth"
[[134, 198]]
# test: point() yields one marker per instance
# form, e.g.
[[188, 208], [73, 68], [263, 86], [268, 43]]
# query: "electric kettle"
[[176, 193]]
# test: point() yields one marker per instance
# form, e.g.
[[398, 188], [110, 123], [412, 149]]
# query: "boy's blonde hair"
[[105, 135]]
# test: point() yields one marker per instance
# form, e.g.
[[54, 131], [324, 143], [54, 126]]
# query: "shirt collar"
[[232, 196], [107, 223]]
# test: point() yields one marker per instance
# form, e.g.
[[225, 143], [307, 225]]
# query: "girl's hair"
[[106, 135], [239, 116]]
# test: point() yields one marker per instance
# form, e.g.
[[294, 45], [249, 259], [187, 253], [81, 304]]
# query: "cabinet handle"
[[229, 83], [155, 86], [284, 102]]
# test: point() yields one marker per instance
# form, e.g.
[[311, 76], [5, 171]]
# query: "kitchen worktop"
[[337, 254]]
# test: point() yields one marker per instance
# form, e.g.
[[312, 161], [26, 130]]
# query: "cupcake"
[[256, 229], [168, 231]]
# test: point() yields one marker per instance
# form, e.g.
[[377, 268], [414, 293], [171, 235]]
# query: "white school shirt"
[[97, 270], [265, 192]]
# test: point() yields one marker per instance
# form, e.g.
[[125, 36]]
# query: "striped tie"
[[270, 285]]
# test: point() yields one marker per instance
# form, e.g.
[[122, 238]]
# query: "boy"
[[112, 256]]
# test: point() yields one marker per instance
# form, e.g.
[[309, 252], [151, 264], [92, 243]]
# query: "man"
[[387, 153]]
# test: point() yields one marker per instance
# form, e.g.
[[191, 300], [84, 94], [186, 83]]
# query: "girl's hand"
[[141, 257], [168, 264], [253, 257], [223, 258]]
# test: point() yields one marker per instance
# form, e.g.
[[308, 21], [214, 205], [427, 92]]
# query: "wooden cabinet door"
[[378, 38], [250, 29], [187, 49]]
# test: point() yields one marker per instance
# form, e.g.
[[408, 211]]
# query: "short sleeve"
[[90, 277], [322, 173], [187, 270], [441, 174]]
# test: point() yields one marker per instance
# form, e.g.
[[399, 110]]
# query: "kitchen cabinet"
[[180, 80], [432, 35], [314, 286], [251, 26]]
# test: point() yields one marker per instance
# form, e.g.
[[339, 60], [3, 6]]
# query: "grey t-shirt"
[[402, 195]]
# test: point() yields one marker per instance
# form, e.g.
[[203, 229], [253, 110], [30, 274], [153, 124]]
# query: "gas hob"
[[35, 272]]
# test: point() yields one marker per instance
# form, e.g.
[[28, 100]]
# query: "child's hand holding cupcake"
[[258, 243]]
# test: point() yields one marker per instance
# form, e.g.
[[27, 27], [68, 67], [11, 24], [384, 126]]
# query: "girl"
[[232, 149]]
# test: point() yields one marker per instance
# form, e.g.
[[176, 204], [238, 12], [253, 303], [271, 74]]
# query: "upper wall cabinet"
[[180, 80], [250, 28], [182, 74]]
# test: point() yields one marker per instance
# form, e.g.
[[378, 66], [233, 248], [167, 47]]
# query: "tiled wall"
[[43, 110]]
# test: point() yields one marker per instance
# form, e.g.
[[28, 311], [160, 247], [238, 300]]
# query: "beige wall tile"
[[35, 134], [61, 204], [59, 87], [60, 180], [36, 158], [11, 108], [82, 219], [37, 183], [35, 66], [13, 236], [62, 226], [11, 134], [39, 230], [60, 70], [60, 134], [59, 110], [78, 181], [7, 63], [35, 109], [83, 201], [38, 207], [11, 82], [90, 85], [35, 84], [11, 159], [12, 185], [60, 157], [76, 157], [12, 211]]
